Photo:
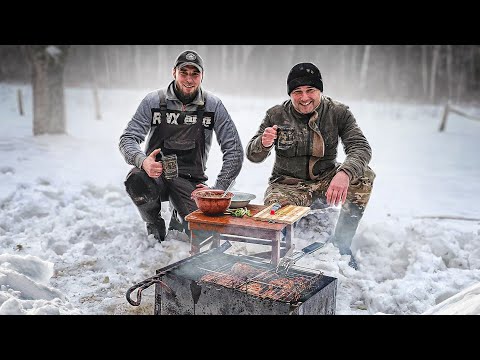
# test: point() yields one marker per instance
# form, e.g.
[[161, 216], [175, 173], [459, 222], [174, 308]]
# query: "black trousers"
[[147, 194]]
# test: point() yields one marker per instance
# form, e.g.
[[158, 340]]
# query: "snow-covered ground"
[[71, 241]]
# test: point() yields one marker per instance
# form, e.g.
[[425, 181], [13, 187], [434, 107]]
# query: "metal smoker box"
[[179, 290]]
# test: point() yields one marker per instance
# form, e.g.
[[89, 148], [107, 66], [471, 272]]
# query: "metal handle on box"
[[156, 279], [288, 261], [142, 286]]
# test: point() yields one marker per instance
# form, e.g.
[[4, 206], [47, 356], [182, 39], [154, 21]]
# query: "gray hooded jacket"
[[139, 127]]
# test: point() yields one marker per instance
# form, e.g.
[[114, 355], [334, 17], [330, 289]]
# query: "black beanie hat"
[[304, 74]]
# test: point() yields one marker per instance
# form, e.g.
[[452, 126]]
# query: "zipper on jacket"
[[309, 139]]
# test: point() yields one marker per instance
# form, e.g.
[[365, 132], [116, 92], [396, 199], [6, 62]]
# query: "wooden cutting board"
[[287, 214]]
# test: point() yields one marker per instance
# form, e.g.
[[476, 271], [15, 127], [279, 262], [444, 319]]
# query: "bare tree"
[[162, 62], [137, 54], [117, 55], [107, 59], [224, 62], [449, 72], [424, 71], [364, 68], [353, 61], [47, 64], [433, 73], [94, 81], [392, 71], [342, 65], [236, 57]]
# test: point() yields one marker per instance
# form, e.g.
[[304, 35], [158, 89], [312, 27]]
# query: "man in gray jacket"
[[305, 167], [177, 120]]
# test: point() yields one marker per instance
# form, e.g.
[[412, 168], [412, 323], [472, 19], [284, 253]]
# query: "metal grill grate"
[[257, 280]]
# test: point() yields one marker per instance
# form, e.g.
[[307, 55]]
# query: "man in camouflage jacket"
[[307, 169]]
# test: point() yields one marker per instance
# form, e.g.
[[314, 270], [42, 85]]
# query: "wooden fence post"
[[96, 104], [20, 102], [449, 109]]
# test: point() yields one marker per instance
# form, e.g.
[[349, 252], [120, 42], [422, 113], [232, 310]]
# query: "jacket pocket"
[[183, 148], [289, 152], [179, 145]]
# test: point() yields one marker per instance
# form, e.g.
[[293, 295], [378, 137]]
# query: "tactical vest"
[[181, 133]]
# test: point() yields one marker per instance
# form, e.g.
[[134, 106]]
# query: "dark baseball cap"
[[189, 57]]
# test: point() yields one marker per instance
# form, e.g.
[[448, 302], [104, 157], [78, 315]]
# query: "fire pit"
[[216, 283]]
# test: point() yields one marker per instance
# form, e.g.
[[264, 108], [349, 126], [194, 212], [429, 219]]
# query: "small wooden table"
[[244, 229]]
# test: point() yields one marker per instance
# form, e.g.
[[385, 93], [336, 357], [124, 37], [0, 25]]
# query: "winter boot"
[[145, 195], [150, 213], [157, 229], [353, 263], [346, 227], [175, 224]]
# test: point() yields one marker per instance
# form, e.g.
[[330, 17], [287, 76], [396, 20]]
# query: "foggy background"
[[402, 73]]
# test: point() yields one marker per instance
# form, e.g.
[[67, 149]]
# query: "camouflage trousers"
[[306, 192]]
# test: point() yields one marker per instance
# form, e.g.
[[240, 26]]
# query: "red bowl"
[[210, 201]]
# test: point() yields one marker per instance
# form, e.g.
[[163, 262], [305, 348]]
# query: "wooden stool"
[[244, 229]]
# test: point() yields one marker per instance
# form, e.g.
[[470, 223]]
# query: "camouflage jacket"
[[316, 140]]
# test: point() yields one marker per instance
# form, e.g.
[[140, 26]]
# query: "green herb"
[[240, 212]]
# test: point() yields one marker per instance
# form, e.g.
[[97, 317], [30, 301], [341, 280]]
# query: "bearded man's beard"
[[184, 98]]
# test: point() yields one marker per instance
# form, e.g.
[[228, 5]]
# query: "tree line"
[[414, 73], [417, 73]]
